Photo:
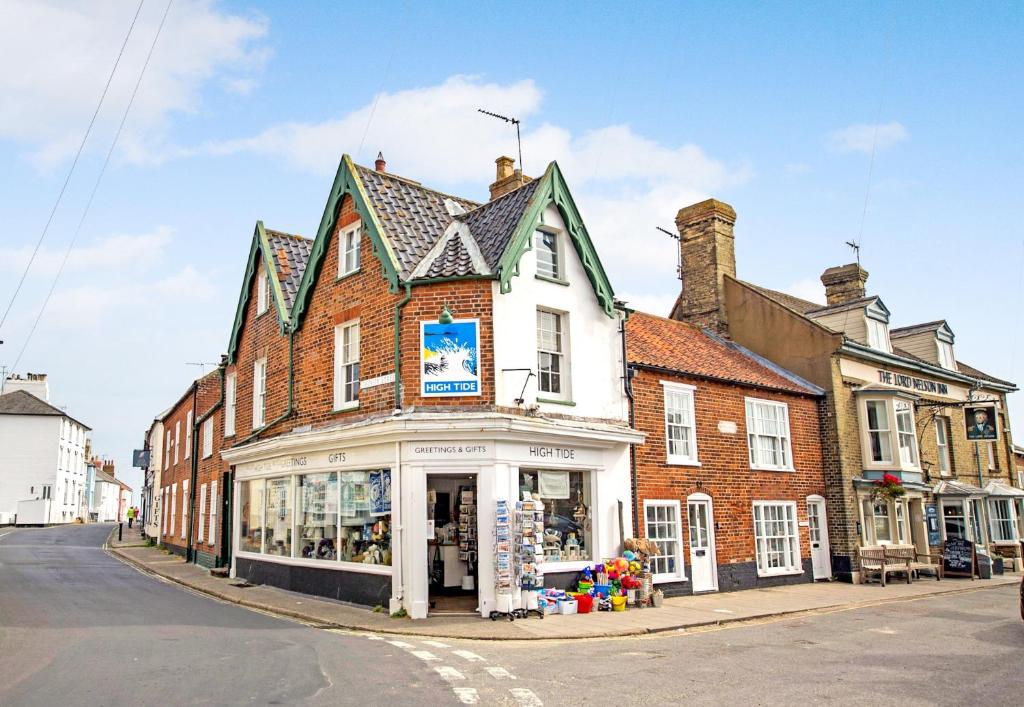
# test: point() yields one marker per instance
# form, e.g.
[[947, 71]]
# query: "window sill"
[[666, 578], [346, 407], [263, 313], [229, 436], [787, 469], [348, 274], [207, 456], [779, 573], [553, 280], [682, 462], [551, 401]]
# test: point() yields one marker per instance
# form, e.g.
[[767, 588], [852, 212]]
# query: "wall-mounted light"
[[445, 316]]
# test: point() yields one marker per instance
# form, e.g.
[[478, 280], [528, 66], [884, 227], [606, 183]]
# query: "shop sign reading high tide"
[[449, 358]]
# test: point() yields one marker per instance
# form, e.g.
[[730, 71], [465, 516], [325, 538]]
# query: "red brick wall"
[[725, 472], [211, 468], [174, 474]]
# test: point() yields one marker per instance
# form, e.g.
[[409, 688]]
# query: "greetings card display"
[[529, 544], [504, 569], [467, 526]]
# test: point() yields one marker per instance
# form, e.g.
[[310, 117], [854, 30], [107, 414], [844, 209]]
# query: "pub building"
[[422, 358], [897, 402]]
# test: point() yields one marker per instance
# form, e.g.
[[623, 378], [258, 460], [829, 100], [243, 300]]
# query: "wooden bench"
[[919, 562], [873, 560]]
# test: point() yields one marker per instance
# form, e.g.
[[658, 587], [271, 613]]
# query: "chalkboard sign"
[[958, 559]]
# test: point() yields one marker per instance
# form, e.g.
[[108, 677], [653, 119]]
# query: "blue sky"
[[247, 107]]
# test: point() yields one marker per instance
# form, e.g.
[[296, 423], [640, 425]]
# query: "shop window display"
[[250, 500], [317, 516], [567, 521], [365, 510], [278, 529]]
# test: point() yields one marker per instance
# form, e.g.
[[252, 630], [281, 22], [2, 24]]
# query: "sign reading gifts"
[[450, 358]]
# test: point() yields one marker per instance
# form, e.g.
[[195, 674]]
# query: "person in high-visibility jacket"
[[131, 515]]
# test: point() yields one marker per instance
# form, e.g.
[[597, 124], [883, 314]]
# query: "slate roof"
[[916, 328], [675, 346], [22, 402], [413, 216], [981, 375], [493, 223], [290, 254], [795, 303]]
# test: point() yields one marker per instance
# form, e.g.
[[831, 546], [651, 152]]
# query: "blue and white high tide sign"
[[450, 358]]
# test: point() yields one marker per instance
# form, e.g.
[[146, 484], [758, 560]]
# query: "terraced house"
[[897, 401], [420, 359]]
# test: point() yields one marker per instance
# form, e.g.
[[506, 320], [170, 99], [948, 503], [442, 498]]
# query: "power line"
[[95, 187], [74, 162]]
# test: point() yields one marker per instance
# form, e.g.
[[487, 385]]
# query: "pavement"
[[677, 614]]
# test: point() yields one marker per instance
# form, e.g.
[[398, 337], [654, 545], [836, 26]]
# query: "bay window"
[[680, 430], [880, 522], [775, 537], [1001, 520], [889, 432], [567, 521], [663, 525], [768, 435], [878, 432]]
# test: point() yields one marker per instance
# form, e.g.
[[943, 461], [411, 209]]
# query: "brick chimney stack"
[[707, 254], [507, 178], [380, 165], [844, 283]]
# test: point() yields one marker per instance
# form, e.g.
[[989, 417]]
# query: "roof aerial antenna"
[[679, 252], [515, 122], [202, 365], [856, 250]]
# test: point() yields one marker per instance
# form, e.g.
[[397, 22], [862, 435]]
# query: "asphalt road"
[[79, 627]]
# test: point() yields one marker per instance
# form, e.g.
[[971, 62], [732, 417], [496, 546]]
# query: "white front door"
[[703, 572], [817, 529]]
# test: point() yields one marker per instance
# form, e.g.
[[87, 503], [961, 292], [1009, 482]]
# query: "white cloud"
[[56, 56], [625, 183], [861, 137], [115, 252]]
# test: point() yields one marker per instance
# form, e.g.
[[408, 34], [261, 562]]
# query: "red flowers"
[[889, 486]]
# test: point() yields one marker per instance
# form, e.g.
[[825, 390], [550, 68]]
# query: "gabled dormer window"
[[946, 359], [878, 335], [549, 263]]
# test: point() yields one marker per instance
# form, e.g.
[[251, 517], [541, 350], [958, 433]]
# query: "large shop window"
[[663, 525], [567, 521], [680, 431], [776, 539], [332, 516], [1002, 520], [768, 435]]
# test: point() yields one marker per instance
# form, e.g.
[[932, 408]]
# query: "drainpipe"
[[398, 345], [197, 423], [291, 393], [977, 459], [627, 386]]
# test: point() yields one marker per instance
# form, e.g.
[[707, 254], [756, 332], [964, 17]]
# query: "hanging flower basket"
[[887, 488]]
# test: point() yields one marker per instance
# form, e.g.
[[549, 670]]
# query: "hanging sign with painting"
[[981, 423], [450, 358]]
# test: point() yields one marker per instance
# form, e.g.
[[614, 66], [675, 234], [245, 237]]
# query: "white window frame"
[[946, 358], [888, 519], [679, 576], [262, 291], [202, 513], [167, 450], [188, 434], [184, 509], [556, 270], [163, 502], [915, 461], [686, 394], [349, 241], [942, 428], [785, 441], [177, 441], [230, 403], [174, 506], [212, 535], [208, 437], [344, 397], [795, 560], [878, 334], [994, 519], [259, 393], [892, 432], [565, 371]]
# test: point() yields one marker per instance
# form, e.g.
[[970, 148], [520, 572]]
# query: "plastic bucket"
[[618, 603]]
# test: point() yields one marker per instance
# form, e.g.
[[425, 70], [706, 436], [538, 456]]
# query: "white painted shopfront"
[[354, 500]]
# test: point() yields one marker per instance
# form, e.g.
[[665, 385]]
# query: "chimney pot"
[[507, 177], [380, 164], [504, 170], [844, 283]]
